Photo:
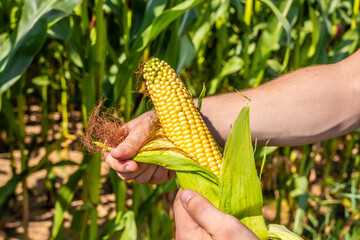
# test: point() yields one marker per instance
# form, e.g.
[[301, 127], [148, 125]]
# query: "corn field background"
[[59, 57]]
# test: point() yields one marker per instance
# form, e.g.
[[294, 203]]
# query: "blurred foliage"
[[65, 55]]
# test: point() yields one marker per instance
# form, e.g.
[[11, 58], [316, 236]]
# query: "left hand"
[[197, 218], [120, 158]]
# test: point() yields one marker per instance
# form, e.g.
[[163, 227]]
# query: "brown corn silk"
[[104, 126], [105, 130]]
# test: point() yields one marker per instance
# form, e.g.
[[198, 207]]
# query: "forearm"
[[304, 106]]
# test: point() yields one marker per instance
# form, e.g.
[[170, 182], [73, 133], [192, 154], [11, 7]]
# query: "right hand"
[[197, 218], [120, 158]]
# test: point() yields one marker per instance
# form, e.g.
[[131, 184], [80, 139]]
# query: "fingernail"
[[186, 195]]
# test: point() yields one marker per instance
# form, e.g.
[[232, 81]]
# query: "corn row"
[[179, 118]]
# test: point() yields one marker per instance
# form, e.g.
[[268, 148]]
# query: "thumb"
[[138, 132], [218, 224], [126, 150], [202, 211]]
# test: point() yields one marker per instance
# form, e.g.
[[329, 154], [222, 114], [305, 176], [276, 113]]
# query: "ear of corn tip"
[[179, 118]]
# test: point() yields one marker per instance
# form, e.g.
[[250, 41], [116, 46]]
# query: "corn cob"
[[179, 118]]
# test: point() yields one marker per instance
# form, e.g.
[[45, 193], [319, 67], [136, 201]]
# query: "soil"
[[41, 207]]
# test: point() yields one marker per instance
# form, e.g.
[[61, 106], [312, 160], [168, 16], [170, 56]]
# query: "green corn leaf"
[[153, 10], [119, 188], [234, 64], [187, 53], [145, 207], [268, 39], [61, 30], [282, 19], [123, 221], [160, 23], [93, 226], [20, 48], [65, 196], [240, 189], [93, 179], [8, 190], [129, 226], [112, 226], [343, 49], [161, 224]]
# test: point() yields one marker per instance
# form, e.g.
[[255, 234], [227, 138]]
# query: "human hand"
[[120, 157], [197, 218]]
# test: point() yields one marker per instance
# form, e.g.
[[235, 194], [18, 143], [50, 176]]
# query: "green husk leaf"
[[189, 173], [280, 232], [240, 191]]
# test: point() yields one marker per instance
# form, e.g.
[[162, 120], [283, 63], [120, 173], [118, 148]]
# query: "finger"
[[121, 165], [146, 175], [142, 167], [128, 148], [139, 130], [212, 219], [184, 223], [201, 210], [161, 175]]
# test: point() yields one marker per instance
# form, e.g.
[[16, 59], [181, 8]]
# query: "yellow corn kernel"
[[191, 134]]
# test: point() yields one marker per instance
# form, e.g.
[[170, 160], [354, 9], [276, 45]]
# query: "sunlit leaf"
[[240, 190], [161, 22], [187, 52], [18, 51]]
